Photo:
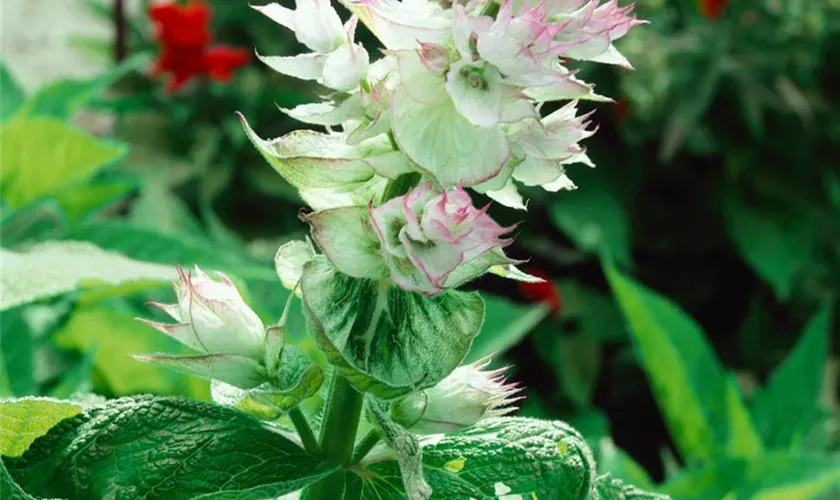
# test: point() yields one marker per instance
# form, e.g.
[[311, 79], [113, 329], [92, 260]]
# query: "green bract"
[[384, 340]]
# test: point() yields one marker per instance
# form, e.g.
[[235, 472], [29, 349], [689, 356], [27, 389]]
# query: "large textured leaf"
[[505, 324], [43, 155], [610, 488], [12, 96], [775, 245], [9, 490], [795, 384], [700, 402], [521, 457], [24, 420], [115, 335], [774, 476], [149, 447], [383, 339], [595, 220], [55, 268]]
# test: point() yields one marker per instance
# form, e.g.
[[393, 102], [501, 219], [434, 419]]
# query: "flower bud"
[[427, 236], [211, 317], [465, 397]]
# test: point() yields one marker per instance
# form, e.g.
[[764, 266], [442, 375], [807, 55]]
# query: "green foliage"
[[773, 476], [595, 220], [163, 447], [700, 402], [55, 268], [12, 96], [298, 380], [786, 409], [504, 456], [48, 155], [24, 420], [775, 245], [17, 355], [114, 334], [384, 340], [505, 325]]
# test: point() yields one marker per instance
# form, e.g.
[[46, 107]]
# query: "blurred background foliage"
[[711, 372]]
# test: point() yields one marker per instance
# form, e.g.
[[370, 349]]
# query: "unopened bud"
[[465, 397]]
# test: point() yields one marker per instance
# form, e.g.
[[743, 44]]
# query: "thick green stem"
[[365, 445], [338, 436], [307, 437]]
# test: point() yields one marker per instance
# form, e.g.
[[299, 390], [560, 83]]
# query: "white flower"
[[469, 394], [211, 317], [336, 61]]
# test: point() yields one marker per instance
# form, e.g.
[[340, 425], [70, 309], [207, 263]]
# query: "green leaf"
[[54, 268], [700, 402], [596, 221], [152, 246], [9, 489], [609, 488], [12, 96], [42, 220], [62, 98], [17, 354], [160, 210], [24, 420], [505, 325], [90, 199], [382, 339], [43, 156], [406, 447], [775, 245], [499, 456], [298, 379], [619, 465], [773, 476], [786, 408], [115, 335], [166, 448]]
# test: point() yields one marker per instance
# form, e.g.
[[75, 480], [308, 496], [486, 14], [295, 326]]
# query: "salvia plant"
[[452, 106]]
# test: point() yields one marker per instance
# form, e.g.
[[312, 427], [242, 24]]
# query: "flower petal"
[[304, 66], [444, 143], [476, 90]]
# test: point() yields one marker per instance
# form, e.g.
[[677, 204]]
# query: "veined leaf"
[[521, 457], [385, 340], [116, 335], [149, 447], [9, 489], [54, 268], [43, 155], [700, 402], [786, 408], [24, 420]]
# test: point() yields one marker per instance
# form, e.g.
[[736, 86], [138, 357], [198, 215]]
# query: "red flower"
[[185, 51], [621, 110], [713, 9], [546, 291]]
